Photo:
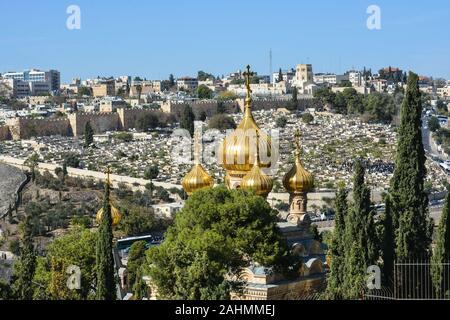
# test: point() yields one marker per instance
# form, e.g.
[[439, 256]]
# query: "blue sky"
[[155, 38]]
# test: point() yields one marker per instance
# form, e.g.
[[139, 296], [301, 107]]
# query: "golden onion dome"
[[115, 215], [197, 179], [257, 180], [238, 149], [298, 179]]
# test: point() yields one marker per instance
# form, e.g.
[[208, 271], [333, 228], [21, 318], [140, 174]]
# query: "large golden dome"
[[258, 181], [197, 179], [298, 179], [238, 149], [115, 214]]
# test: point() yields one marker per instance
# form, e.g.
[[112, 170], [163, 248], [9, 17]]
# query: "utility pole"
[[270, 65]]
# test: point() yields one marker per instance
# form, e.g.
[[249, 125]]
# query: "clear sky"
[[155, 38]]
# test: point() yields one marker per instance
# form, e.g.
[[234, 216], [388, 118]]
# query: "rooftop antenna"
[[270, 64]]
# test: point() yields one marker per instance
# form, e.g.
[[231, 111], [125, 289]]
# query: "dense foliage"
[[214, 237]]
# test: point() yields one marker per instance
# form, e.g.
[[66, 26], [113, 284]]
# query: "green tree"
[[71, 160], [354, 101], [280, 76], [346, 84], [203, 76], [281, 122], [171, 81], [151, 172], [221, 107], [433, 124], [88, 134], [106, 286], [202, 117], [136, 258], [148, 121], [221, 122], [5, 291], [138, 221], [215, 235], [324, 96], [226, 96], [25, 268], [295, 95], [77, 248], [388, 243], [203, 92], [361, 239], [409, 200], [32, 162], [307, 118], [139, 91], [338, 246], [441, 253], [187, 120]]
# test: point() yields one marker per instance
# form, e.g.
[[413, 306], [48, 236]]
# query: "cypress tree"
[[336, 278], [441, 252], [23, 284], [88, 134], [106, 286], [187, 120], [360, 237], [280, 76], [295, 95], [388, 250], [409, 200]]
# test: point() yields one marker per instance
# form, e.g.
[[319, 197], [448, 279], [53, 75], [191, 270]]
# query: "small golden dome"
[[238, 149], [257, 180], [115, 214], [197, 179], [298, 180]]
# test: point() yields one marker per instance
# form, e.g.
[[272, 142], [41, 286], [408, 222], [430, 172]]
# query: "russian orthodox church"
[[240, 157]]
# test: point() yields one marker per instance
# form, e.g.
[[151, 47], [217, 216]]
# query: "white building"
[[51, 77], [288, 77], [167, 210], [329, 78], [261, 89], [356, 78], [187, 83], [304, 78]]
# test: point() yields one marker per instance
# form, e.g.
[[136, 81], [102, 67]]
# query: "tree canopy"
[[214, 237], [221, 122]]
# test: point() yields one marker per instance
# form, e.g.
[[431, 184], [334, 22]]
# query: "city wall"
[[209, 107], [100, 122], [5, 133], [128, 117], [124, 119], [25, 128]]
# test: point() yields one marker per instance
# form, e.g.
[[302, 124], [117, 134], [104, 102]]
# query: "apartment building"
[[51, 77], [104, 88], [187, 83]]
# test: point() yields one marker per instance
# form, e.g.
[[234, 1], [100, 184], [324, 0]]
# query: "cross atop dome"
[[248, 75]]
